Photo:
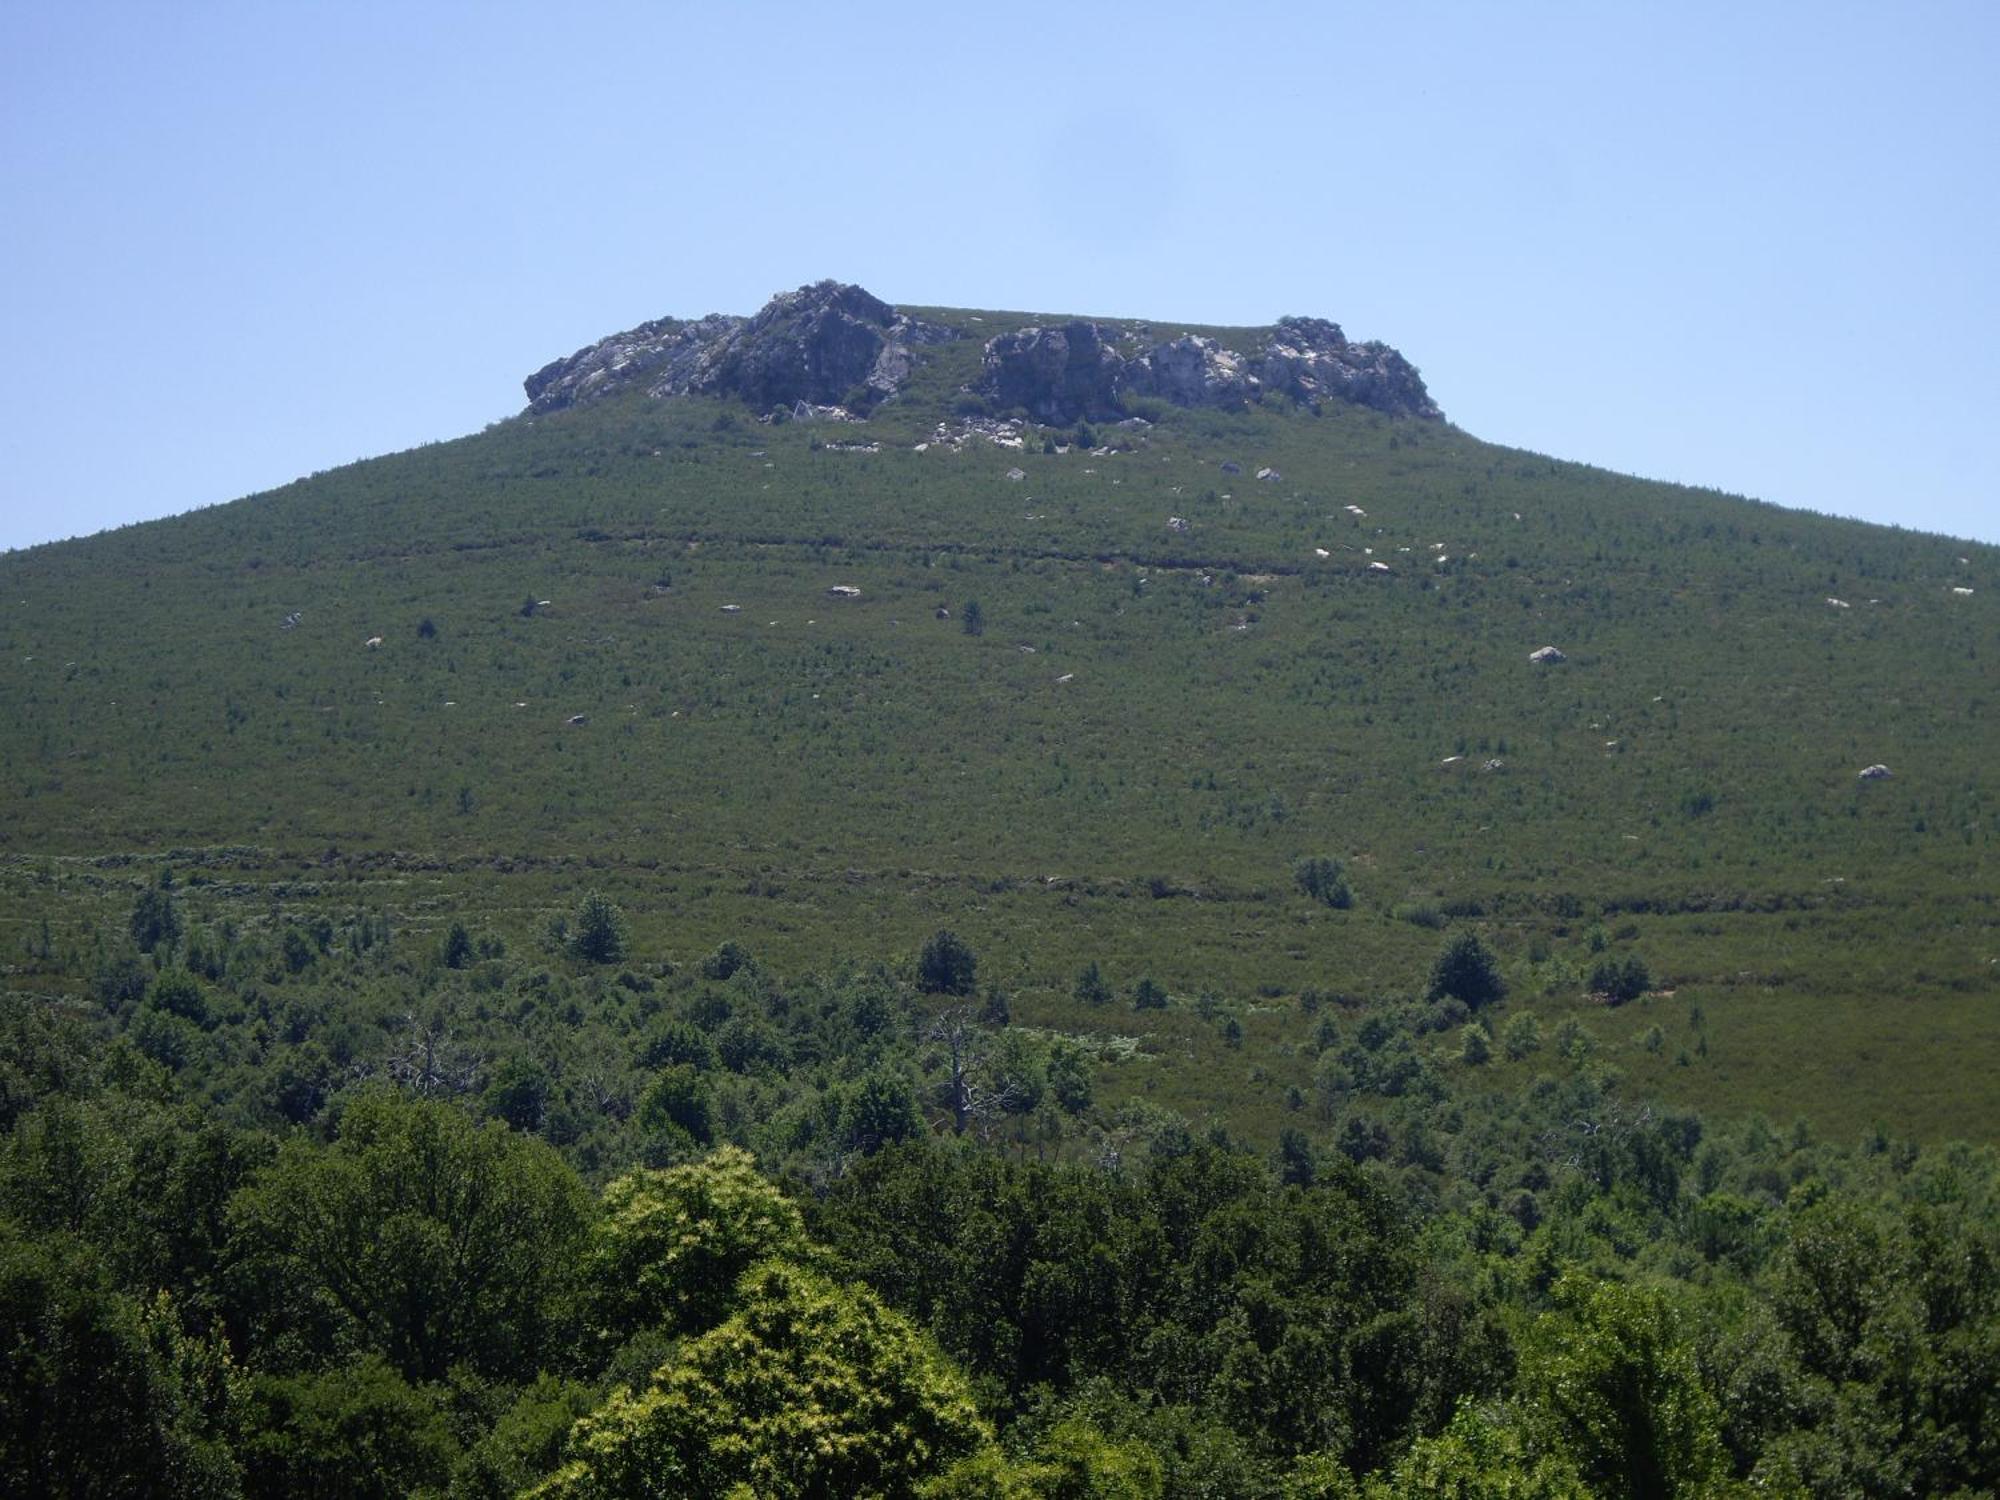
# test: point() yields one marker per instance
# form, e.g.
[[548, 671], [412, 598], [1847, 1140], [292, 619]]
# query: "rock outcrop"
[[823, 344], [835, 345], [1074, 372], [1055, 374]]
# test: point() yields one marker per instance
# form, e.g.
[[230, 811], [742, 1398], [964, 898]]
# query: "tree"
[[810, 1389], [1612, 1383], [1620, 979], [457, 950], [677, 1105], [946, 966], [972, 618], [670, 1246], [1324, 880], [1465, 970], [599, 934], [420, 1235], [876, 1110], [1521, 1036], [1475, 1044], [156, 921], [1476, 1458], [1090, 987], [1146, 995], [1071, 1461], [104, 1394], [968, 1092]]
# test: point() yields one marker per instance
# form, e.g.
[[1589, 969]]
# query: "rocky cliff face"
[[1068, 373], [822, 344], [834, 344]]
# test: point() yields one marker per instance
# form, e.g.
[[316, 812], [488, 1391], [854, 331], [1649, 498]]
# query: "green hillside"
[[1154, 725], [776, 926]]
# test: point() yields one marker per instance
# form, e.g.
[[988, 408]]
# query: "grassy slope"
[[816, 777]]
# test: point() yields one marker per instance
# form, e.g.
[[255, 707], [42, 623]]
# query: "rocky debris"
[[827, 344], [1177, 523], [1230, 466], [732, 609], [1074, 372], [1017, 475], [373, 643], [1838, 603], [805, 411], [1269, 476], [1379, 567], [1002, 434], [844, 591], [1957, 590], [574, 720], [1876, 773], [1546, 656], [291, 621]]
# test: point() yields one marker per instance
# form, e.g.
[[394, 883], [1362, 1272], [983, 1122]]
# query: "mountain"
[[819, 629]]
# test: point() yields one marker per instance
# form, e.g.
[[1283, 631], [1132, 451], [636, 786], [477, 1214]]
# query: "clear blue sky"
[[1746, 246]]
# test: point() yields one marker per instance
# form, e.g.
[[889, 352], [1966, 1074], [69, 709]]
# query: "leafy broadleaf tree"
[[419, 1236], [671, 1245], [809, 1389], [1612, 1384]]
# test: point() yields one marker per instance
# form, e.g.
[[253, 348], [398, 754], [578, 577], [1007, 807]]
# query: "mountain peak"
[[835, 343]]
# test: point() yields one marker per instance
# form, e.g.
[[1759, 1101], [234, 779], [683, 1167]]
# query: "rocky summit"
[[1060, 374], [824, 343], [831, 343]]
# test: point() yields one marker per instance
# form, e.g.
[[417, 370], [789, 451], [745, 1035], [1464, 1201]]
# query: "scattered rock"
[[844, 591], [1231, 467], [574, 719], [1177, 523], [1876, 773], [732, 609], [1017, 475], [1379, 567], [1547, 656], [373, 643], [1838, 603], [1957, 590]]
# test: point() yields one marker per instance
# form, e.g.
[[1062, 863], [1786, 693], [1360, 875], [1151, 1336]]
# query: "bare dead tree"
[[969, 1091], [430, 1063]]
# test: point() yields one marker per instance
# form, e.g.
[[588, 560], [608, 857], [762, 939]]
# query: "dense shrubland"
[[469, 1219]]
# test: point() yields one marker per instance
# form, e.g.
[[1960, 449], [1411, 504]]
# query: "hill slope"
[[608, 656]]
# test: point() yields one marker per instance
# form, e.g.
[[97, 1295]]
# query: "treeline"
[[319, 1209]]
